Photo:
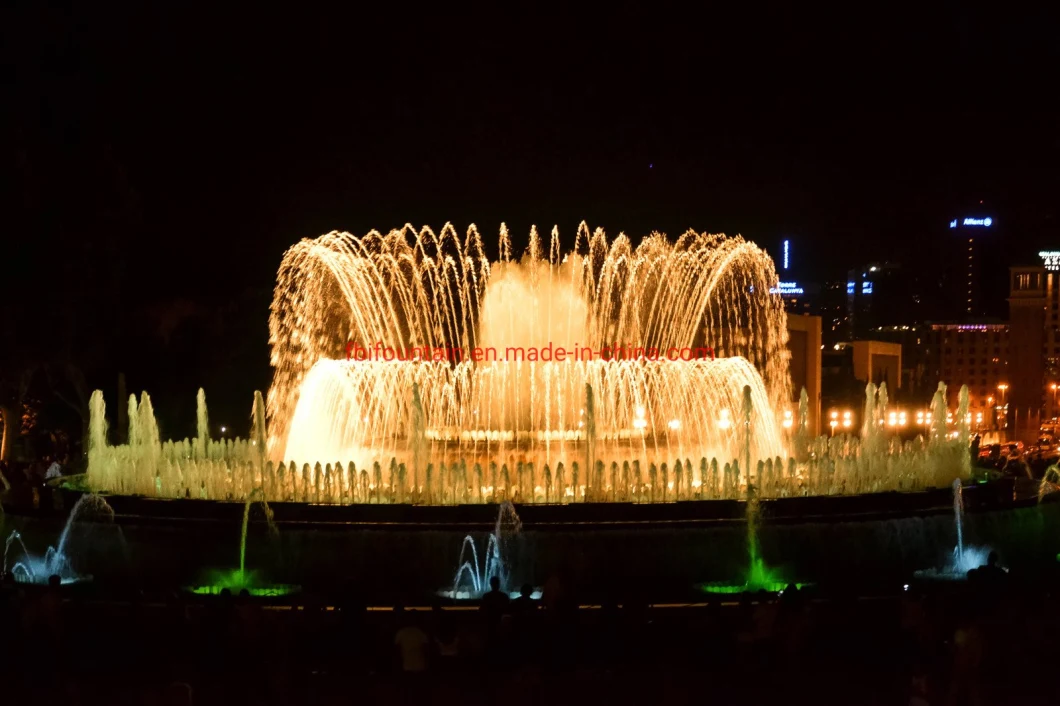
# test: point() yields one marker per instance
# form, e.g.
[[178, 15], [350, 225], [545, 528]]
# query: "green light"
[[733, 588], [237, 581], [759, 578]]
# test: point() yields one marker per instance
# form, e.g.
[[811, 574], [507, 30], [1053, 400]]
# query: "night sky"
[[158, 161]]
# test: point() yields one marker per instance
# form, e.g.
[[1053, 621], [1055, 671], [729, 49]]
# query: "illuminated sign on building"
[[787, 249], [979, 222], [850, 287], [786, 288], [1051, 259], [866, 287]]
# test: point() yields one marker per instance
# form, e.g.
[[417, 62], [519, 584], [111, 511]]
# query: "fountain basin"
[[471, 596], [21, 577], [720, 587], [236, 581], [659, 549]]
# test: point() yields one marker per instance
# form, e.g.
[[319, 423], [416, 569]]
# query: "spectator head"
[[495, 583]]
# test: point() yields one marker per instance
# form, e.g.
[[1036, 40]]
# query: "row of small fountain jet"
[[231, 469]]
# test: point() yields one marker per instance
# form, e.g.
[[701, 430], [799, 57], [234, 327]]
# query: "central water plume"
[[423, 292]]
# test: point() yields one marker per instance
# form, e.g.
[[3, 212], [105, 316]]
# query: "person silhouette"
[[524, 605], [495, 602]]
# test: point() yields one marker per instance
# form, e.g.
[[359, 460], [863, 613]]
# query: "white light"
[[223, 430], [787, 288], [640, 411], [674, 424], [639, 423]]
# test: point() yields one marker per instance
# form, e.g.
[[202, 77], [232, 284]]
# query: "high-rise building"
[[1029, 312], [972, 283], [880, 294], [1051, 262], [967, 289]]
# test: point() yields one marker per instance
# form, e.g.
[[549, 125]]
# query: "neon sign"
[[850, 287], [786, 288], [1051, 259], [978, 222], [866, 287], [786, 250]]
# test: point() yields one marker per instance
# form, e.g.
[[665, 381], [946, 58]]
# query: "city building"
[[1030, 314], [972, 229], [831, 306], [1051, 262], [920, 363], [976, 355], [804, 342], [972, 285], [881, 294], [878, 362]]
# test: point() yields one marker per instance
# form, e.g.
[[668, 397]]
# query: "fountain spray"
[[590, 437], [418, 438]]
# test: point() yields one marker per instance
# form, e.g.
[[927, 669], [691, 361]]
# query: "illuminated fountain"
[[472, 579], [236, 581], [434, 427], [965, 558], [26, 567], [758, 577], [426, 295]]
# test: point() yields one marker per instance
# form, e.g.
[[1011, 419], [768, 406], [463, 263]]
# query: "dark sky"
[[224, 136]]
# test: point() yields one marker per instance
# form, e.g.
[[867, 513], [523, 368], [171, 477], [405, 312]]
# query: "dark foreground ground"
[[995, 642]]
